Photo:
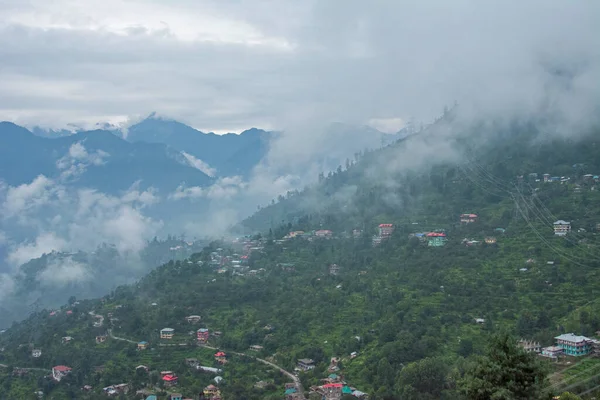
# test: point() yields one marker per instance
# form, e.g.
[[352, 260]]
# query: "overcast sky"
[[226, 65]]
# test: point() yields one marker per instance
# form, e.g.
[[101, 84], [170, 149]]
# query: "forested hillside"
[[405, 314]]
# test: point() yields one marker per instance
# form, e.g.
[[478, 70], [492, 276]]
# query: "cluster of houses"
[[433, 239], [567, 344]]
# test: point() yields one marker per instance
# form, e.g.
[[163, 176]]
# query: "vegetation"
[[407, 309]]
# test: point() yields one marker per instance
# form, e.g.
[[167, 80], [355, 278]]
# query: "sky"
[[227, 65]]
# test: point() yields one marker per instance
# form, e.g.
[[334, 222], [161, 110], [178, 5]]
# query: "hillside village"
[[192, 349]]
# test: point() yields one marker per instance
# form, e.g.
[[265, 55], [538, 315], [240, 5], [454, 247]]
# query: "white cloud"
[[225, 64], [45, 243], [28, 197], [78, 159], [387, 125], [60, 272], [199, 164], [74, 219]]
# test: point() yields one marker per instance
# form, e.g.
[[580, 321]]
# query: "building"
[[66, 339], [490, 240], [100, 339], [211, 392], [202, 335], [193, 319], [256, 347], [170, 379], [332, 391], [552, 352], [546, 177], [561, 228], [323, 233], [479, 321], [59, 372], [573, 345], [167, 333], [221, 357], [530, 346], [142, 345], [468, 218], [36, 353], [334, 269], [436, 239], [306, 364], [385, 230], [175, 396]]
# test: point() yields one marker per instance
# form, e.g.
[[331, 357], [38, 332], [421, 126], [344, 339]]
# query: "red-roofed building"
[[332, 391], [436, 239], [221, 357], [59, 372], [170, 380], [385, 230]]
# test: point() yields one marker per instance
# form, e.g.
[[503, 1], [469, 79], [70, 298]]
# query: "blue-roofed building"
[[152, 397]]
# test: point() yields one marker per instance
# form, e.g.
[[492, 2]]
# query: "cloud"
[[243, 63], [76, 161], [60, 272], [28, 197], [199, 164], [44, 243], [45, 215]]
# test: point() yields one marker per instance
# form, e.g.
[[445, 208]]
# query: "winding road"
[[293, 377]]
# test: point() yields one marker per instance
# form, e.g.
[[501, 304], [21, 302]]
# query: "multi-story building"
[[561, 228], [59, 372], [202, 335], [385, 230], [530, 346], [167, 333], [574, 345], [436, 239]]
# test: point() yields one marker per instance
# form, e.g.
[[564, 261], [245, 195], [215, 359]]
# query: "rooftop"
[[570, 337]]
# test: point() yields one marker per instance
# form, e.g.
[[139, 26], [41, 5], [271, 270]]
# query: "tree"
[[424, 379], [505, 372]]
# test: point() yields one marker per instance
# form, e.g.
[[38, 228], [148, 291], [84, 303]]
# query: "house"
[[221, 357], [217, 333], [332, 391], [152, 397], [356, 233], [167, 333], [561, 228], [175, 396], [354, 354], [211, 392], [468, 218], [436, 239], [479, 321], [36, 353], [573, 345], [530, 346], [143, 345], [546, 177], [66, 339], [142, 367], [100, 339], [552, 352], [323, 233], [385, 230], [256, 347], [334, 269], [202, 335], [306, 364], [170, 379], [193, 319], [490, 240], [59, 372]]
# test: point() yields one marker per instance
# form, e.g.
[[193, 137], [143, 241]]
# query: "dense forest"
[[403, 317]]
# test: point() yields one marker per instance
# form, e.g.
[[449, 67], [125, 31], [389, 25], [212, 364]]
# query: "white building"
[[561, 228]]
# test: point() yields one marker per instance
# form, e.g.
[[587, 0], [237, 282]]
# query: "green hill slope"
[[393, 304]]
